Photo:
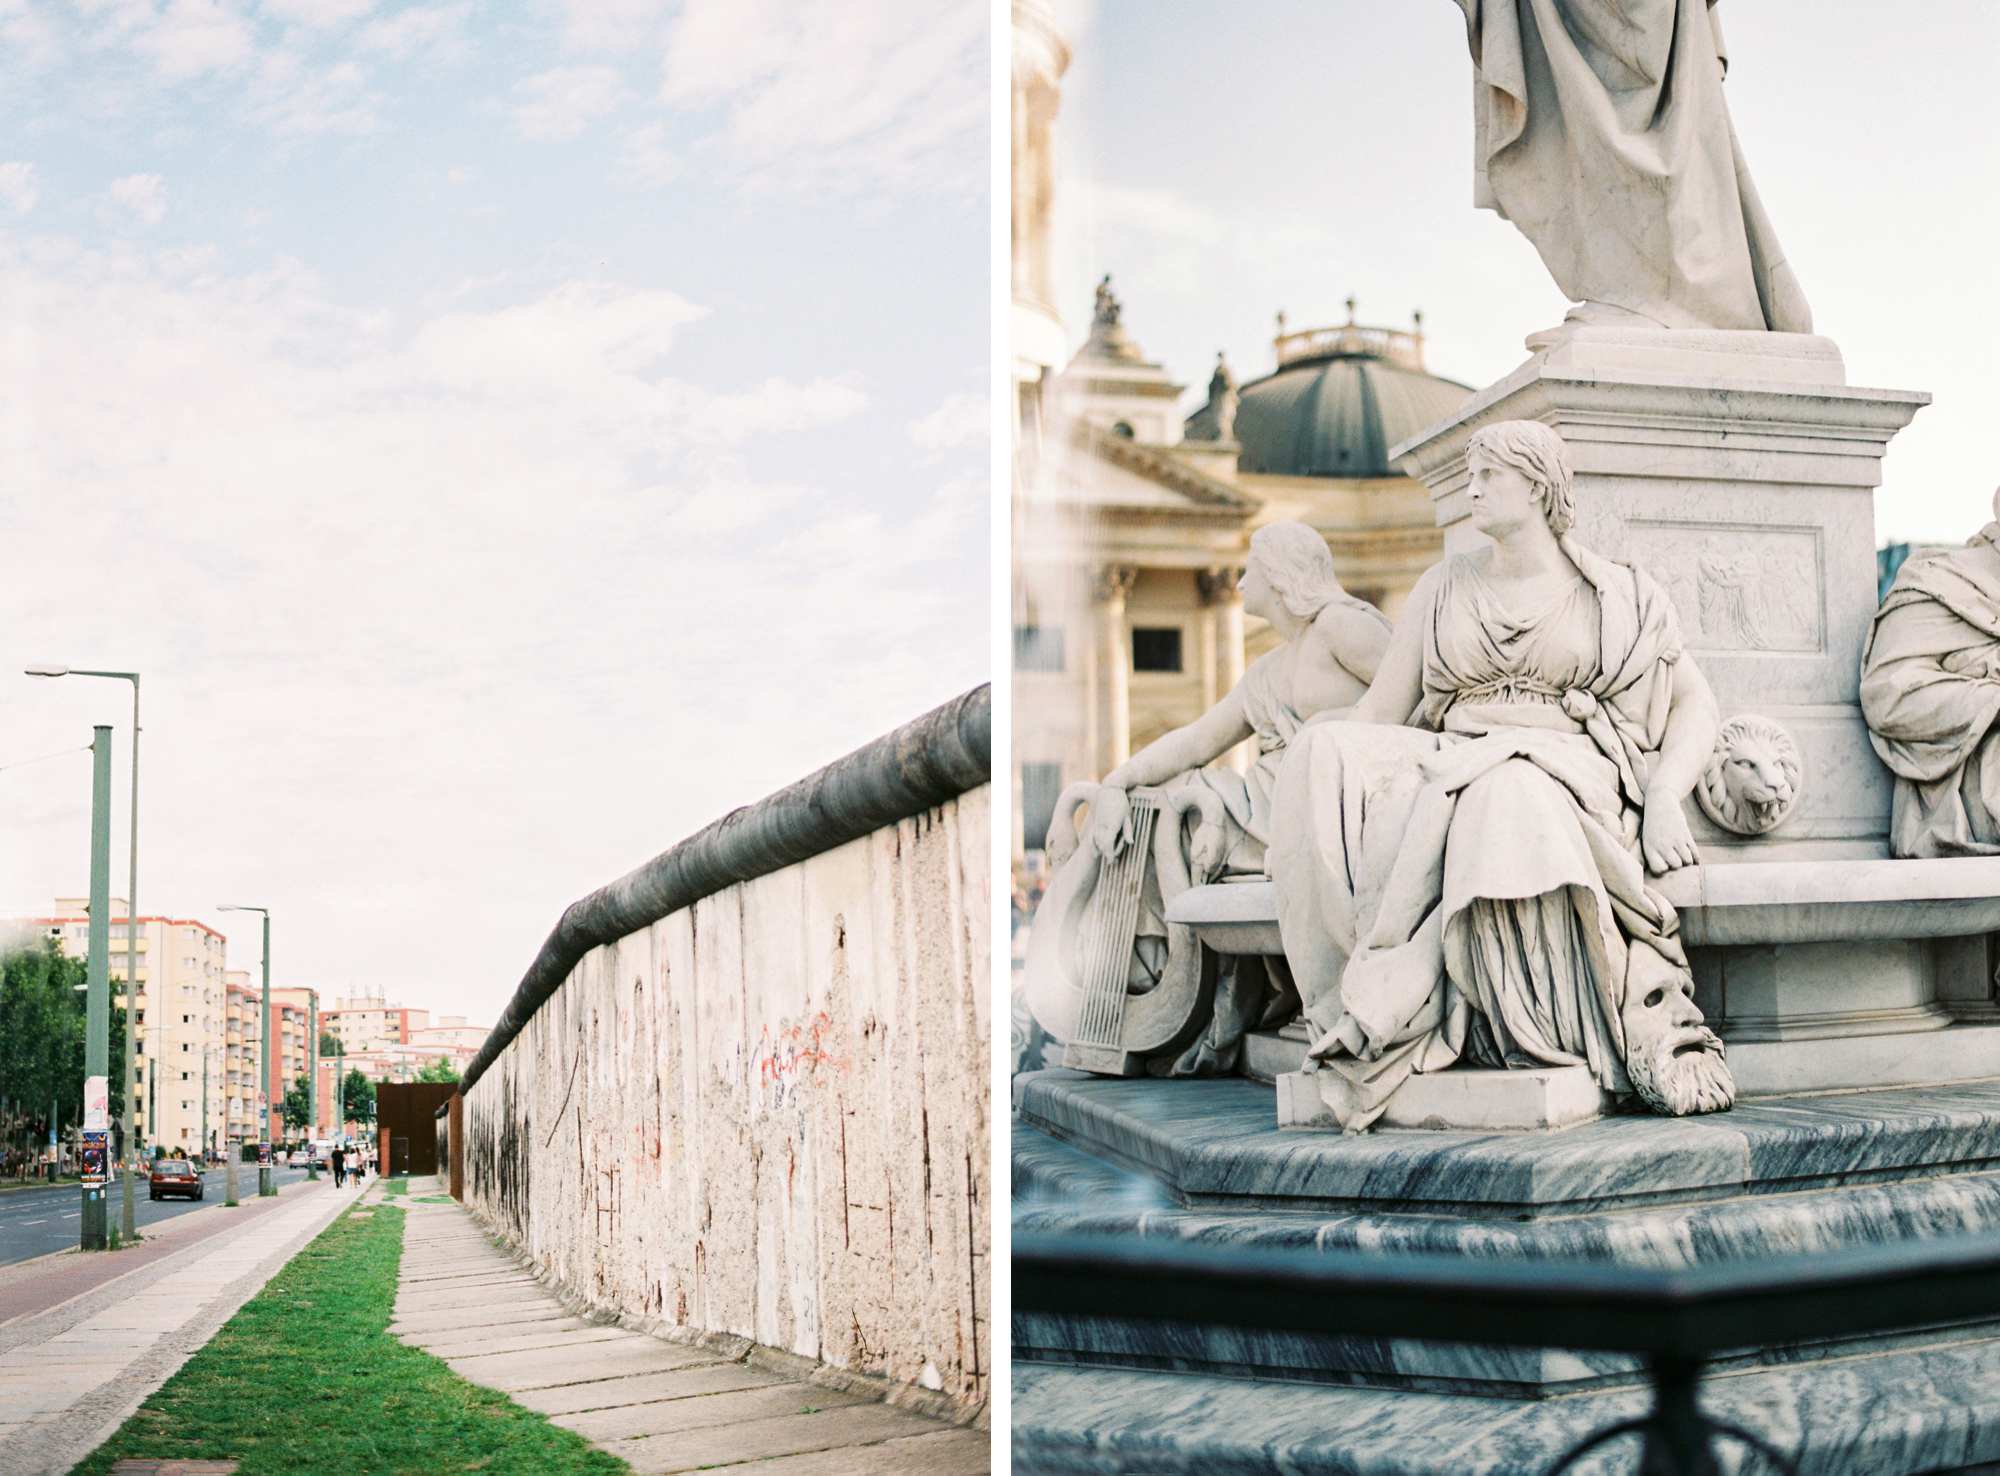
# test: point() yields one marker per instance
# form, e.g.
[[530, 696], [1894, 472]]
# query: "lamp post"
[[97, 979], [127, 1225], [264, 1185], [312, 1081]]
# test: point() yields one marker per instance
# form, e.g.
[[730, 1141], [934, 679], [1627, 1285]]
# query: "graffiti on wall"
[[793, 1057]]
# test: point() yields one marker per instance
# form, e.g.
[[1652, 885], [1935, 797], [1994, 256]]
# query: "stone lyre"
[[1116, 999]]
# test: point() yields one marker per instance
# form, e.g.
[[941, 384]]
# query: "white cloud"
[[646, 162], [828, 95], [28, 35], [962, 420], [317, 14], [193, 37], [562, 102], [293, 97], [143, 197], [509, 577], [19, 188], [420, 30], [611, 25]]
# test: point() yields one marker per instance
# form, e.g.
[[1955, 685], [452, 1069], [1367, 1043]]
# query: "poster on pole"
[[263, 1155], [93, 1156], [96, 1104]]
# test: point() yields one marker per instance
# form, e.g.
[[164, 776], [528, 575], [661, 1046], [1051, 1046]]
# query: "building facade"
[[1133, 532], [179, 1022]]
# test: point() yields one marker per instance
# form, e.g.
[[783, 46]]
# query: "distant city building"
[[1134, 532], [369, 1022], [179, 1024]]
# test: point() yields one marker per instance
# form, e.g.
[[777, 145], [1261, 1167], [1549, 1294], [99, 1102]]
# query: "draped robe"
[[1475, 884], [1601, 132], [1930, 690]]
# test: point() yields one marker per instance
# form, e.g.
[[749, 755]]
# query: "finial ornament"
[[1108, 310]]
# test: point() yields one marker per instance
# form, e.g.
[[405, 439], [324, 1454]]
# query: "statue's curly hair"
[[1299, 566], [1537, 453]]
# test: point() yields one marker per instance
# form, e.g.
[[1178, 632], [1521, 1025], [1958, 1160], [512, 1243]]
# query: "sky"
[[505, 437], [1282, 155]]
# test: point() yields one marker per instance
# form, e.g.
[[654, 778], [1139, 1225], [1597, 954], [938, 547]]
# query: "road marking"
[[77, 1216], [43, 1221]]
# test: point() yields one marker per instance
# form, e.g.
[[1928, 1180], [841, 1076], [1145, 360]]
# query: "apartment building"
[[179, 1022]]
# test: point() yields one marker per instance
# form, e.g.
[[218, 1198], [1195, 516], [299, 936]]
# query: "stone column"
[[1110, 585], [1223, 628]]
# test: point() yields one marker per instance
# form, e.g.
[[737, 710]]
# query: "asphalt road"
[[34, 1222]]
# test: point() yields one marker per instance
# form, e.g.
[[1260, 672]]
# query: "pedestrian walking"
[[339, 1167]]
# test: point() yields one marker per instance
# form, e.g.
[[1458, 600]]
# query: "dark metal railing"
[[1676, 1320]]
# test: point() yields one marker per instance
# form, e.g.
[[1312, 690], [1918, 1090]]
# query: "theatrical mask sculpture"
[[1461, 858], [1191, 823], [1600, 131], [1930, 690]]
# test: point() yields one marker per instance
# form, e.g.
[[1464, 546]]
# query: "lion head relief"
[[1753, 779]]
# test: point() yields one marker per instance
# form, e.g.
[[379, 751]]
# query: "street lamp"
[[264, 1184], [128, 1226]]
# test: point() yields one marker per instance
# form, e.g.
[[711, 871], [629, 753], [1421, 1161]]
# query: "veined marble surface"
[[1057, 1189], [1918, 1409], [1213, 1142]]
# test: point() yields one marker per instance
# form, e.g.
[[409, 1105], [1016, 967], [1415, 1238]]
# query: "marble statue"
[[1754, 777], [1601, 132], [1331, 645], [1461, 858], [1930, 690]]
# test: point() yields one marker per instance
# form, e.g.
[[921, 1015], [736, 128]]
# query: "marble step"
[[1901, 1409]]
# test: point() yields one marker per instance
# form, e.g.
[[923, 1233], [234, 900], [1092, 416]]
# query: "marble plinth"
[[1921, 1409], [1201, 1161], [1215, 1144], [1488, 1101]]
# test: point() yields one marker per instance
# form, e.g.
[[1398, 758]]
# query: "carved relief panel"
[[1739, 590]]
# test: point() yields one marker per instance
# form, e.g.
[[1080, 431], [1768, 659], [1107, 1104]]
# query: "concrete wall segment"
[[766, 1114]]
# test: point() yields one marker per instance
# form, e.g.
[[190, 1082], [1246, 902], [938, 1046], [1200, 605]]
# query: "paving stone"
[[664, 1417], [553, 1337], [422, 1324], [941, 1453], [499, 1296], [512, 1371], [691, 1450], [702, 1374]]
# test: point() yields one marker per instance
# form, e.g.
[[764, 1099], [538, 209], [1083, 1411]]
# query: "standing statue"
[[1461, 863], [1600, 130], [1200, 822], [1930, 690]]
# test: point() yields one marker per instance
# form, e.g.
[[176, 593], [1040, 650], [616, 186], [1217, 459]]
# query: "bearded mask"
[[1675, 1061]]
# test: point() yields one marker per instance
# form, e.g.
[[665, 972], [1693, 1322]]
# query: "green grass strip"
[[305, 1377]]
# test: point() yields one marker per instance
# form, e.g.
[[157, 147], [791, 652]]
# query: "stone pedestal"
[[1739, 469], [1486, 1101]]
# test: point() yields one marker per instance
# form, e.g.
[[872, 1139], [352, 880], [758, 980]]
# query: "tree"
[[42, 1028], [297, 1113], [440, 1070], [357, 1097], [329, 1043]]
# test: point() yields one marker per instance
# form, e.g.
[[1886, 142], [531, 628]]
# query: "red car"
[[175, 1176]]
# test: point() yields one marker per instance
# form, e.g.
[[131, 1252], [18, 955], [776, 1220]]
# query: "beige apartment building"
[[179, 1025]]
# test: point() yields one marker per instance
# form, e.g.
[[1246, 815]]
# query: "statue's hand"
[[1110, 820], [1664, 836], [1207, 852], [1346, 1035]]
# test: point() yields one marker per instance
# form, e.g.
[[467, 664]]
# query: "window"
[[1123, 428], [1041, 786], [1156, 648], [1038, 648], [184, 1075]]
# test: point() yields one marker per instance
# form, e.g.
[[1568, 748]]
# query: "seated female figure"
[[1461, 862], [1332, 643]]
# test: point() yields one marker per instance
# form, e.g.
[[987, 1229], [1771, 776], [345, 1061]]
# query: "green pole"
[[97, 976], [312, 1080], [265, 1188]]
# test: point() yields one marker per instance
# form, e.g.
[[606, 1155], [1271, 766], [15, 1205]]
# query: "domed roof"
[[1340, 398]]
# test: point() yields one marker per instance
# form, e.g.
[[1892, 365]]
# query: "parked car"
[[175, 1176]]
